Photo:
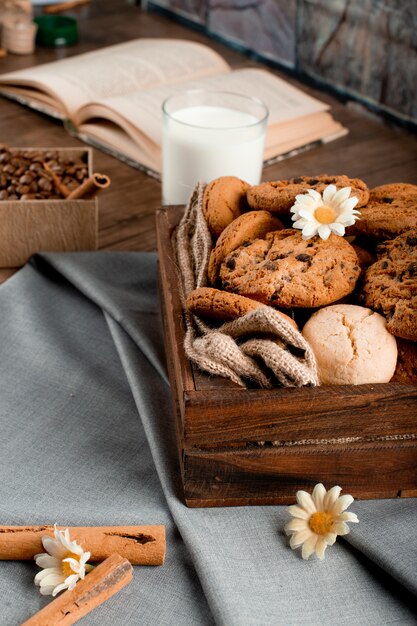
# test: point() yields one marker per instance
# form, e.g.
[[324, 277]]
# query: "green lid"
[[56, 30]]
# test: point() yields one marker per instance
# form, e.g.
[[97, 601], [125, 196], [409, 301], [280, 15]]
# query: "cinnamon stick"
[[98, 586], [141, 545], [58, 184], [93, 184]]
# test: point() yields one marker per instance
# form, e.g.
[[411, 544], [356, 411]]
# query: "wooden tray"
[[239, 447]]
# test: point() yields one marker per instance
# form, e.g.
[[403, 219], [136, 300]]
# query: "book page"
[[143, 109], [118, 70]]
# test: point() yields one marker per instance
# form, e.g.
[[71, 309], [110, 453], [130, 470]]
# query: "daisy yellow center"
[[321, 522], [325, 214], [66, 567]]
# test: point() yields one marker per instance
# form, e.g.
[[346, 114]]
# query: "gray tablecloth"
[[86, 438]]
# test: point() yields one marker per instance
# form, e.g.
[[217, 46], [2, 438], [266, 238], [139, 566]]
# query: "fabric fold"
[[88, 435]]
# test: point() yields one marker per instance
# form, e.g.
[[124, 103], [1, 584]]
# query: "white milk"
[[205, 142]]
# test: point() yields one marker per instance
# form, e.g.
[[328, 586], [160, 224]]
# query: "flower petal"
[[47, 590], [349, 204], [310, 229], [315, 194], [340, 528], [71, 581], [318, 496], [53, 578], [348, 517], [309, 547], [305, 500], [300, 223], [298, 539], [321, 546], [324, 231], [341, 504], [331, 497], [45, 560], [58, 588], [337, 229], [295, 525], [54, 548], [330, 538], [329, 193], [298, 511], [342, 195], [40, 576]]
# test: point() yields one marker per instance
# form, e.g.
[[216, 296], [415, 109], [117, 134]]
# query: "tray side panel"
[[273, 476]]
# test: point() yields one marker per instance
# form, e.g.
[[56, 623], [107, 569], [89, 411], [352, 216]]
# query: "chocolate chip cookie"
[[406, 370], [221, 305], [285, 271], [386, 217], [391, 191], [390, 284], [224, 200], [242, 230], [279, 196]]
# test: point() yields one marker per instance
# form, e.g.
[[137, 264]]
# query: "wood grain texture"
[[255, 446], [98, 586]]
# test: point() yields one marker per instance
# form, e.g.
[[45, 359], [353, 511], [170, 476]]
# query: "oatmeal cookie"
[[285, 271], [279, 196]]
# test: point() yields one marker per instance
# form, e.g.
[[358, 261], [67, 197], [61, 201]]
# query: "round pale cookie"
[[285, 271], [406, 370], [242, 230], [352, 345], [220, 305], [390, 285], [223, 201], [380, 220], [279, 196]]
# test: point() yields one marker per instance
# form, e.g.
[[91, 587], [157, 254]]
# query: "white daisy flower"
[[317, 215], [318, 519], [64, 563]]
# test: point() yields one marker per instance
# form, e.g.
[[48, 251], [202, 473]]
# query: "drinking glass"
[[207, 134]]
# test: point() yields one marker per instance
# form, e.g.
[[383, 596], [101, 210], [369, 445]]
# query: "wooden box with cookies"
[[44, 206], [290, 319]]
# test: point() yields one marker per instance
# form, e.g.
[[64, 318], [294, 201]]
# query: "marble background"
[[364, 48]]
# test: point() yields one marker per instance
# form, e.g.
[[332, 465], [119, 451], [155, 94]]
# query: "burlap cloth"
[[259, 349]]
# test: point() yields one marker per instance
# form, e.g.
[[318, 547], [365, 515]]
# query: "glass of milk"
[[207, 134]]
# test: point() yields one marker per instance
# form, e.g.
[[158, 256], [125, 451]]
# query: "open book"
[[111, 98]]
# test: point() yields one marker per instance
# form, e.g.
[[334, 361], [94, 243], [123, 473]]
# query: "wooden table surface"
[[372, 150]]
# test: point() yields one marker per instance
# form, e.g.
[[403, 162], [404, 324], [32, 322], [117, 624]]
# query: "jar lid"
[[56, 30]]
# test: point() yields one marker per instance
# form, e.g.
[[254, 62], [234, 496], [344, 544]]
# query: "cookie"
[[279, 196], [381, 220], [365, 257], [352, 345], [284, 270], [391, 191], [390, 285], [223, 201], [220, 305], [245, 228], [406, 370]]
